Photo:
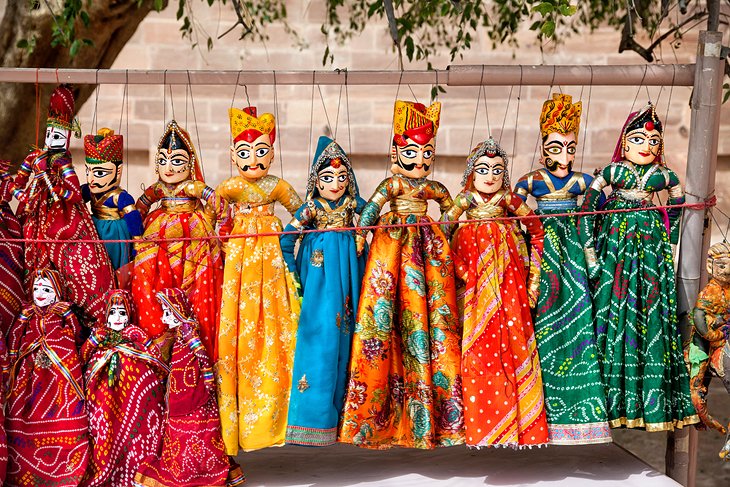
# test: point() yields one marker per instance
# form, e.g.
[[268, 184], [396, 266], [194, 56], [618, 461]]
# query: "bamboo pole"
[[468, 75], [699, 185]]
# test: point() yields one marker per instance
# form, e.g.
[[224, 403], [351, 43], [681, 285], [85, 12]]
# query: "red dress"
[[3, 436], [55, 210], [192, 445], [125, 394], [47, 425], [11, 259]]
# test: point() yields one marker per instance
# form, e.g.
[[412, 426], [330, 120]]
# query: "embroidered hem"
[[300, 435], [665, 426], [579, 434]]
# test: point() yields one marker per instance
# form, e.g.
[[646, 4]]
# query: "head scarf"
[[647, 118], [120, 297], [176, 299], [489, 148], [104, 147], [329, 153], [245, 125], [414, 121], [560, 115], [51, 275], [717, 251], [62, 110], [176, 137]]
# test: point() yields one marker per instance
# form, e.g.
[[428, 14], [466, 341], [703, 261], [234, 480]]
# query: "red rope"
[[709, 203]]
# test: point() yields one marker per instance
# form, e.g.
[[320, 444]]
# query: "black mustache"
[[247, 167], [411, 167], [97, 185]]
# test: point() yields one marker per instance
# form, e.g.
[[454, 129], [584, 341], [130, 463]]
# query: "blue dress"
[[115, 218], [330, 272]]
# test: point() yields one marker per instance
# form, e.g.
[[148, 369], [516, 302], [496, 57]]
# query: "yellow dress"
[[259, 316]]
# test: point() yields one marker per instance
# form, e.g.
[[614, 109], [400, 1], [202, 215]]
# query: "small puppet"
[[112, 208], [51, 208], [331, 273], [12, 293], [191, 259], [125, 393], [405, 381], [45, 415], [708, 351], [503, 394], [260, 304]]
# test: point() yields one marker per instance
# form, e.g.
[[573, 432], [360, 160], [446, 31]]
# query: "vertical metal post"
[[699, 185]]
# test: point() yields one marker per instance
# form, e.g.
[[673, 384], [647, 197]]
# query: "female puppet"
[[330, 272], [125, 395], [193, 263], [405, 383], [575, 398], [260, 303], [192, 447], [503, 395], [52, 208], [12, 293], [46, 421], [634, 298], [112, 208]]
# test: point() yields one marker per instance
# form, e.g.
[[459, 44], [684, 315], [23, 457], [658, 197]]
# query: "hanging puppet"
[[575, 400], [51, 208], [4, 367], [46, 420], [629, 257], [331, 272], [112, 208], [260, 304], [708, 350], [194, 262], [504, 403], [405, 383], [192, 447], [12, 293], [125, 390]]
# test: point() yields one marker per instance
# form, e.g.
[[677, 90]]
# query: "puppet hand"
[[360, 244]]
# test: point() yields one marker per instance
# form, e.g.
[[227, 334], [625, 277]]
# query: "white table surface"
[[346, 465]]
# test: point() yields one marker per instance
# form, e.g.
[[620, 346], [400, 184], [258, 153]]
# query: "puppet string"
[[709, 203]]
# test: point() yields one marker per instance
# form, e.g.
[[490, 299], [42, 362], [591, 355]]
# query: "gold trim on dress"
[[102, 212], [651, 427]]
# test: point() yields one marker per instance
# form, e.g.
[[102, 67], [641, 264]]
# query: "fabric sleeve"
[[676, 197], [452, 214], [285, 194], [301, 220], [586, 223], [371, 211], [521, 188], [441, 195], [518, 207], [148, 198], [69, 188], [214, 205], [130, 213]]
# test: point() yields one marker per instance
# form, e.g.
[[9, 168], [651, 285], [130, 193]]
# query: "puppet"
[[12, 293]]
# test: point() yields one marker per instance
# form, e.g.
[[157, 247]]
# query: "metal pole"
[[699, 185], [469, 75]]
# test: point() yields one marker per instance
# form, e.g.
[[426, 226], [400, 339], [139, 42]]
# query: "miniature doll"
[[12, 268], [405, 383], [331, 272]]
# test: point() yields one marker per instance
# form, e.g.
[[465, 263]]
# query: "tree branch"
[[629, 44]]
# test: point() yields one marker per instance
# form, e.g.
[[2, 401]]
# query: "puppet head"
[[559, 124], [331, 174], [47, 288], [642, 138], [61, 119], [718, 262], [176, 308], [486, 168], [176, 160], [103, 160], [252, 152], [414, 138], [119, 309]]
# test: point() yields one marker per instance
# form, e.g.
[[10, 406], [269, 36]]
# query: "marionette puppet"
[[331, 273], [46, 420], [124, 379], [260, 305], [629, 256], [191, 259], [503, 394], [51, 208], [405, 384], [575, 398], [192, 451], [708, 350], [112, 208], [12, 267], [4, 367]]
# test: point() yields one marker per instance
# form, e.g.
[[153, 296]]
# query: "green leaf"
[[543, 8], [180, 9], [548, 28], [84, 18], [74, 49], [410, 47], [726, 96], [22, 44], [567, 10], [158, 5], [210, 43]]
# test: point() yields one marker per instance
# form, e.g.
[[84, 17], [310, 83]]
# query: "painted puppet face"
[[43, 292], [642, 146], [169, 318], [103, 177], [117, 318], [413, 160], [721, 269], [558, 153], [173, 166], [253, 159], [332, 182], [57, 138], [489, 174]]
